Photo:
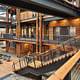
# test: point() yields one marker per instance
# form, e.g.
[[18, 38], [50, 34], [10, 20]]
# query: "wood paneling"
[[68, 22], [50, 32], [26, 15]]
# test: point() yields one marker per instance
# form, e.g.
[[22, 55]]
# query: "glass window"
[[72, 31]]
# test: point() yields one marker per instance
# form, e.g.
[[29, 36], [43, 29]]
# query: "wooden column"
[[18, 31], [40, 34], [7, 30], [18, 49], [43, 28], [37, 32], [18, 28], [7, 46]]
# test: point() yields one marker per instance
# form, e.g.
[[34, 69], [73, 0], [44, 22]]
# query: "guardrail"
[[61, 73], [51, 56]]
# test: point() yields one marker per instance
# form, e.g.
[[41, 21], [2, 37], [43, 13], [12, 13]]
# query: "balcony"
[[22, 38], [56, 39], [32, 38]]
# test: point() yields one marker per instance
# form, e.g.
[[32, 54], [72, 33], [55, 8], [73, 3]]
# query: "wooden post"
[[18, 31], [18, 28], [37, 32], [40, 34], [43, 28], [18, 49], [7, 30], [7, 46]]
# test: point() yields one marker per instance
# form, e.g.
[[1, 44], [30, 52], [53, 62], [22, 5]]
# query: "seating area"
[[6, 61], [4, 57]]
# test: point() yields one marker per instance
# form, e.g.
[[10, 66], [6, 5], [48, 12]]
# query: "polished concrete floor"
[[6, 68], [17, 77]]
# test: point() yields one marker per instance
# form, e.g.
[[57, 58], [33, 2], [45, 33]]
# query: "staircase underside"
[[37, 72]]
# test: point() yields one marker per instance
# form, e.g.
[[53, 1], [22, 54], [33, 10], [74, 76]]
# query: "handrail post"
[[14, 66], [34, 62], [41, 60], [26, 61], [63, 46], [20, 63], [71, 46]]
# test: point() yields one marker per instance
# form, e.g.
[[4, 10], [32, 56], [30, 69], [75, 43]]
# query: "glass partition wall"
[[63, 33], [28, 31]]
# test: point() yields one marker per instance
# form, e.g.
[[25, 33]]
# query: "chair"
[[8, 58], [4, 57]]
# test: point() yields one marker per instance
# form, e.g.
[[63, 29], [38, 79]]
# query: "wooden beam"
[[18, 28], [50, 32], [7, 30], [61, 73], [18, 41]]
